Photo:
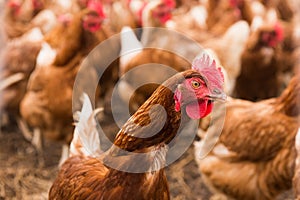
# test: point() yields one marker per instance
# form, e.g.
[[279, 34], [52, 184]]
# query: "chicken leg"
[[38, 143]]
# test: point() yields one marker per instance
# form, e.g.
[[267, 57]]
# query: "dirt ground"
[[21, 178]]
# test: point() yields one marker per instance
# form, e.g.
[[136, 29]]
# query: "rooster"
[[57, 66], [255, 155], [85, 176]]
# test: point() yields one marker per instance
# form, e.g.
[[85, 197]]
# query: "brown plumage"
[[47, 105], [90, 181], [118, 174], [19, 57], [258, 78], [17, 17], [221, 15], [108, 183], [43, 108], [255, 156], [75, 38]]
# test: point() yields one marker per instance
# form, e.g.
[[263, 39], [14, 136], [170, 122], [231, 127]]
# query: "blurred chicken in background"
[[255, 155], [47, 105], [259, 77]]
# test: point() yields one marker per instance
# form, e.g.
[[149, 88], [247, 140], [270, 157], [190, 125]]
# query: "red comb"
[[208, 69], [279, 32], [96, 6], [235, 3], [170, 3], [13, 3], [37, 4]]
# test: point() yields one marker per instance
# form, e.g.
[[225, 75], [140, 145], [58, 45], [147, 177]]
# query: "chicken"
[[18, 62], [19, 59], [222, 14], [67, 47], [255, 155], [287, 57], [229, 48], [53, 12], [156, 13], [18, 14], [113, 174], [22, 15], [57, 66], [139, 13], [259, 69]]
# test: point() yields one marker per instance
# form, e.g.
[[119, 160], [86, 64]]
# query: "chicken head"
[[14, 6], [156, 13], [196, 94], [272, 37], [38, 4], [94, 17], [163, 10]]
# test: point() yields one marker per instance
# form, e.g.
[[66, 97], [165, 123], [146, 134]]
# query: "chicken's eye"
[[195, 84]]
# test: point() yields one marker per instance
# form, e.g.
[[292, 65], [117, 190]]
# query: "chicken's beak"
[[218, 95]]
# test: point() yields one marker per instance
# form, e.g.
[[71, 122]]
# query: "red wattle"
[[199, 109]]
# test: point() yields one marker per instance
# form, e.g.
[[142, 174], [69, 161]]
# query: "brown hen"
[[255, 156], [19, 59], [47, 105], [17, 16], [133, 167], [259, 78]]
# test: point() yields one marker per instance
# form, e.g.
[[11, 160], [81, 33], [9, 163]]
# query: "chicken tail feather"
[[86, 140]]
